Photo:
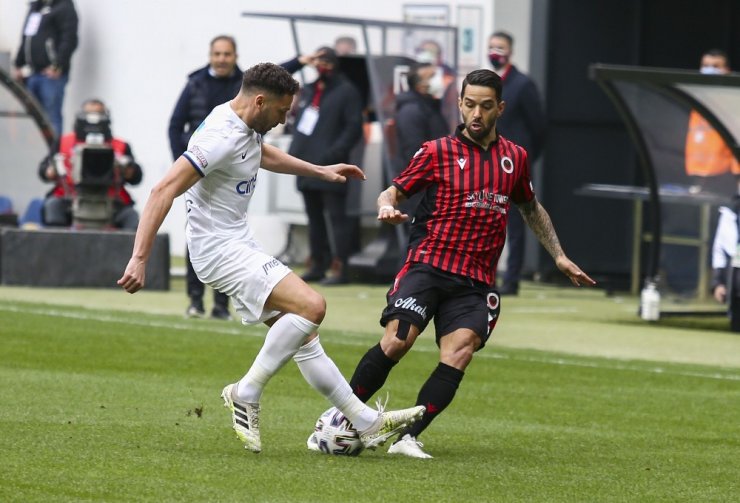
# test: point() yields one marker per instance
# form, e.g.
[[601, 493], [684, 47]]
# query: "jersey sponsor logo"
[[410, 304], [270, 265], [487, 201], [507, 164], [200, 156], [461, 162], [246, 187]]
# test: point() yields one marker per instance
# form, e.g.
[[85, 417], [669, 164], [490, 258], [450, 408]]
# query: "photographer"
[[92, 130]]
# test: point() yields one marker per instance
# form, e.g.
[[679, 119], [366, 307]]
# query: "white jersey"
[[223, 253], [227, 153]]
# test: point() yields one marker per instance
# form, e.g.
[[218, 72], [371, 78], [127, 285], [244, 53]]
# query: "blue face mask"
[[710, 70]]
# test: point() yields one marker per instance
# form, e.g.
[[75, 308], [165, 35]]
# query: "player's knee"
[[314, 307]]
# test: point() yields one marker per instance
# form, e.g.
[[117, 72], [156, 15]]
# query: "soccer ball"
[[336, 435]]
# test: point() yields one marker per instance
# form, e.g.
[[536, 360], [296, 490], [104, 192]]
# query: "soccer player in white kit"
[[219, 173]]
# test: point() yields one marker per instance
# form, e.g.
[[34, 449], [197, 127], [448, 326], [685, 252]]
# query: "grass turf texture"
[[123, 404]]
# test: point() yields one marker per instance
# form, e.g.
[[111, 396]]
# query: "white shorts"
[[245, 273]]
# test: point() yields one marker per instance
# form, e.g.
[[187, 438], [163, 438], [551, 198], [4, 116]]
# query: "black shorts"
[[421, 292]]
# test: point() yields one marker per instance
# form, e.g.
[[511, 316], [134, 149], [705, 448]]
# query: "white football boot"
[[245, 419], [408, 446], [389, 423]]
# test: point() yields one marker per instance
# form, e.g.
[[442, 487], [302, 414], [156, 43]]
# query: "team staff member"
[[523, 123], [207, 87], [469, 181], [218, 173]]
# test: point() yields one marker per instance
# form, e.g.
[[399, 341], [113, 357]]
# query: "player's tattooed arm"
[[539, 221]]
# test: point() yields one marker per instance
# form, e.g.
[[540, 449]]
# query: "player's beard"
[[481, 133]]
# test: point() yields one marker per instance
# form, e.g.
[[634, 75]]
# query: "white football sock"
[[281, 342], [323, 375]]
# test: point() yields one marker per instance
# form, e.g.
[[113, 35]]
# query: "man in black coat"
[[44, 57], [328, 125], [524, 123], [207, 87], [418, 118]]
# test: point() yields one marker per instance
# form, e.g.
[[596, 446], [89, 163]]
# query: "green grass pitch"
[[574, 399]]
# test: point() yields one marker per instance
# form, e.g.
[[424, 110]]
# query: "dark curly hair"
[[268, 77], [483, 78]]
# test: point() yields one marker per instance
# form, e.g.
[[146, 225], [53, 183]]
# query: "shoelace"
[[380, 405]]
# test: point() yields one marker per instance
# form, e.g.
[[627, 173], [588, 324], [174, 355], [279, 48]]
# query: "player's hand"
[[133, 277], [391, 215], [340, 172], [574, 273]]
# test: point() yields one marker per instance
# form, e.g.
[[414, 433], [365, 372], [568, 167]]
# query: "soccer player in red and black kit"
[[469, 180]]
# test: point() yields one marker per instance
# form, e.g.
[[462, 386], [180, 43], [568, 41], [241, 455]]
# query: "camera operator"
[[92, 130]]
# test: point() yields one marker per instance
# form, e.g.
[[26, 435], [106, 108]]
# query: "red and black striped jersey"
[[460, 224]]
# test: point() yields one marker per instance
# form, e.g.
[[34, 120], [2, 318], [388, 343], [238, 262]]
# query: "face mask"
[[498, 60], [710, 70], [436, 84]]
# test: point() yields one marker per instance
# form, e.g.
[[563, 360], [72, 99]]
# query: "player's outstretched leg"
[[245, 419]]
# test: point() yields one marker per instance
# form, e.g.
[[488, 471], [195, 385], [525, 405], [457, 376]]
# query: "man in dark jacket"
[[328, 124], [43, 59], [207, 87], [418, 118], [523, 122]]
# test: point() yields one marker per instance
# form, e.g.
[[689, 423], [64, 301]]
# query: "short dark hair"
[[227, 38], [271, 78], [717, 53], [413, 77], [505, 35], [485, 78]]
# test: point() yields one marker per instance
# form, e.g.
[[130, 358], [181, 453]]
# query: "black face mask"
[[497, 60]]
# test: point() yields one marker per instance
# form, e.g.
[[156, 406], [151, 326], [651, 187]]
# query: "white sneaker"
[[389, 423], [245, 419], [408, 446], [312, 444]]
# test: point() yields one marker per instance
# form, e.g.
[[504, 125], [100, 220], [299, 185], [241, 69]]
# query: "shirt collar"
[[461, 136]]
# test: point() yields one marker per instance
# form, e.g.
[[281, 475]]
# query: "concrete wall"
[[135, 55]]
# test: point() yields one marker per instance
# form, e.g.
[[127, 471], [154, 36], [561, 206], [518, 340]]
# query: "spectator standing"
[[43, 61], [207, 87], [418, 119], [328, 125], [58, 169], [524, 123]]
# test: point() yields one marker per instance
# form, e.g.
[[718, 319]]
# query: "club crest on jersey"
[[461, 162], [507, 165]]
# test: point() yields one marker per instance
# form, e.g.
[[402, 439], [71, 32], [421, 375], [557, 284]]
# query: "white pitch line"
[[249, 331]]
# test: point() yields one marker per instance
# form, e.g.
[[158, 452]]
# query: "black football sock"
[[435, 395], [371, 373]]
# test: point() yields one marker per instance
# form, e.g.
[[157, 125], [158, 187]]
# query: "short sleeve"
[[207, 151], [523, 190], [419, 173]]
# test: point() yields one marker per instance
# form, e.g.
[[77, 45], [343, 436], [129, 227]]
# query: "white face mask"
[[436, 84], [710, 70]]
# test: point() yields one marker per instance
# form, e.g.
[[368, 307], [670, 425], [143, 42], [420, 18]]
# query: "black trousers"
[[515, 241], [195, 287], [330, 233]]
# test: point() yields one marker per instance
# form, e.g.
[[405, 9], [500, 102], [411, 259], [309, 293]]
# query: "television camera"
[[94, 170]]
